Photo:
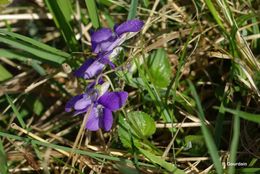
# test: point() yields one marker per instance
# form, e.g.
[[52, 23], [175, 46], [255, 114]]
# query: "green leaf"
[[138, 127], [62, 21], [3, 159], [143, 123], [4, 74], [133, 9], [244, 115], [37, 107], [159, 68], [158, 160], [154, 93], [93, 13], [126, 136]]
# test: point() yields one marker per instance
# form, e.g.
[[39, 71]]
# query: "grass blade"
[[21, 56], [146, 3], [17, 114], [15, 54], [220, 119], [133, 9], [234, 143], [38, 68], [39, 53], [66, 9], [214, 13], [69, 149], [248, 170], [109, 19], [244, 115], [93, 13], [158, 160], [3, 159], [61, 20], [206, 133], [35, 43]]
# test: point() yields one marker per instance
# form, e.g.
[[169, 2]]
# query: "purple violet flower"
[[104, 43], [105, 40], [93, 67], [90, 68], [101, 114], [103, 103]]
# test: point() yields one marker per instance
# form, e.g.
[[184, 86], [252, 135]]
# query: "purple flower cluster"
[[97, 96]]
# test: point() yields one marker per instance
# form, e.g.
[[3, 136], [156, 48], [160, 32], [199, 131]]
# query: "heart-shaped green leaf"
[[159, 68], [142, 123], [135, 129]]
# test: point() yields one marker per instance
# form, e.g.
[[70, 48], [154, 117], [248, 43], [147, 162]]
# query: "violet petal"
[[107, 119], [82, 103], [77, 112], [105, 45], [93, 120], [95, 47], [104, 59], [113, 100], [82, 69], [134, 25], [101, 35], [119, 41], [70, 104], [115, 26], [94, 69]]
